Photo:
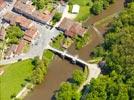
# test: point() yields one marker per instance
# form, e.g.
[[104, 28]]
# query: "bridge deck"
[[69, 56]]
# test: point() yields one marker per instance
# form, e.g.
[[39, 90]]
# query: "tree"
[[67, 92], [78, 76], [57, 17], [39, 3], [97, 7], [39, 71], [14, 33], [118, 82]]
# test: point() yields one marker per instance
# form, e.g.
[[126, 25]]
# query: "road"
[[37, 48], [9, 7]]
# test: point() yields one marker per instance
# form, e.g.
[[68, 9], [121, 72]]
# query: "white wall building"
[[76, 9]]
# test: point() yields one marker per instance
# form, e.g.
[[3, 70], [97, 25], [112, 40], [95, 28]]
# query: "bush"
[[57, 17]]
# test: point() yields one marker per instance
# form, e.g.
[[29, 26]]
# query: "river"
[[60, 70]]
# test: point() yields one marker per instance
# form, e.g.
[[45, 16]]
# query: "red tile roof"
[[32, 12], [71, 27], [24, 7], [2, 4], [30, 33], [41, 16], [24, 22], [27, 38], [13, 19], [20, 46]]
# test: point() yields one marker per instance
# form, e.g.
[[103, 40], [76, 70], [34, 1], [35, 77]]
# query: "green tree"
[[57, 17], [39, 71], [118, 82], [39, 3], [78, 76], [67, 92], [14, 34], [97, 7]]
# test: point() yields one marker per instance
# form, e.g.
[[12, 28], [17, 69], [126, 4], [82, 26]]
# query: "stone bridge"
[[65, 54]]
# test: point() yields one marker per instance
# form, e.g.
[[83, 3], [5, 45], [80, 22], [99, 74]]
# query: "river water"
[[60, 70]]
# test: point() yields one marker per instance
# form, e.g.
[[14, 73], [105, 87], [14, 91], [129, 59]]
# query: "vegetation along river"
[[61, 70]]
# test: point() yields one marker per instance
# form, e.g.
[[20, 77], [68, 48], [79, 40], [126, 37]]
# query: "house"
[[24, 8], [23, 22], [30, 11], [2, 4], [2, 33], [10, 51], [41, 17], [71, 28], [14, 19], [20, 47], [10, 18], [30, 34], [75, 9]]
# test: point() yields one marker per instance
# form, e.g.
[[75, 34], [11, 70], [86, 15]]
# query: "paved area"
[[94, 72], [9, 7], [64, 10], [38, 46]]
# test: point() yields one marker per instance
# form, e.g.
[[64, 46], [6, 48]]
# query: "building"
[[30, 34], [11, 51], [14, 19], [30, 11], [20, 47], [71, 28], [23, 8], [2, 4], [23, 22], [75, 9], [2, 33]]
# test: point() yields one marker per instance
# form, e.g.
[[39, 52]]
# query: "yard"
[[14, 77], [83, 14], [84, 9], [82, 41]]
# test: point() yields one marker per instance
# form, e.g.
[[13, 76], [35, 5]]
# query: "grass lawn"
[[84, 9], [13, 78], [48, 56], [79, 2], [58, 41], [83, 14]]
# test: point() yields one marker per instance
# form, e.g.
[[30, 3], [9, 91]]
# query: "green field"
[[13, 78]]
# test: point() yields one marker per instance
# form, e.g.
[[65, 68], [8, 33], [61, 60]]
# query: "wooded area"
[[117, 51]]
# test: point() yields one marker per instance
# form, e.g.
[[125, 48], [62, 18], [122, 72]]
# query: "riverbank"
[[61, 70]]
